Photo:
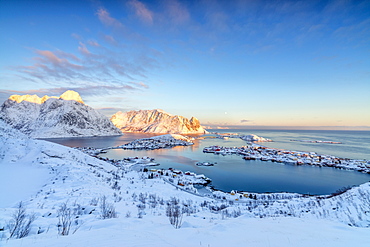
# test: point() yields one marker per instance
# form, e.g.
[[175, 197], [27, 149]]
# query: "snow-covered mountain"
[[156, 121], [48, 117]]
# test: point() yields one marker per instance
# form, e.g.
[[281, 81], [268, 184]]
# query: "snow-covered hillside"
[[50, 117], [114, 206], [156, 121], [254, 138]]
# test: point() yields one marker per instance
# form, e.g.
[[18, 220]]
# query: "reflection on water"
[[232, 172], [355, 144], [100, 141]]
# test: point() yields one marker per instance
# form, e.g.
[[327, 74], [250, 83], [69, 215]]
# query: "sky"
[[241, 63]]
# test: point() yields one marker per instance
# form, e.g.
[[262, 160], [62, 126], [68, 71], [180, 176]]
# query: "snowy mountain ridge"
[[156, 121], [67, 95], [50, 117]]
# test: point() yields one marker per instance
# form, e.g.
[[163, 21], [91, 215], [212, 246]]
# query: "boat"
[[205, 164]]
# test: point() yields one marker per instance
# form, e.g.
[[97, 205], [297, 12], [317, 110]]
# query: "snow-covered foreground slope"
[[156, 121], [57, 175], [50, 117]]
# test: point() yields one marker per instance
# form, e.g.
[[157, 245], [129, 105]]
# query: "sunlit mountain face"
[[156, 121], [68, 95]]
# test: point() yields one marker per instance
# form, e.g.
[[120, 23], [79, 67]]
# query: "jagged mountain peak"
[[71, 95], [154, 111]]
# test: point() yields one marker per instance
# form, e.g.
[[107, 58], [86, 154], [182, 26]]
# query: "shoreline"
[[259, 152], [252, 151]]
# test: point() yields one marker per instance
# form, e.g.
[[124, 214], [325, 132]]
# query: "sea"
[[231, 172]]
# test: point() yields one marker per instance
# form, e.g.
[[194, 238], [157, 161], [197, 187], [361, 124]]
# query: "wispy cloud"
[[93, 43], [85, 91], [76, 36], [110, 39], [82, 48], [109, 111], [105, 18], [67, 55], [140, 84], [105, 66], [117, 59], [50, 66], [355, 31], [142, 11]]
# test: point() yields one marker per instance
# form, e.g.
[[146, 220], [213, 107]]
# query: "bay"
[[233, 173]]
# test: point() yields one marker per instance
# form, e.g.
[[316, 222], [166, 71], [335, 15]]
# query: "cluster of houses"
[[151, 143]]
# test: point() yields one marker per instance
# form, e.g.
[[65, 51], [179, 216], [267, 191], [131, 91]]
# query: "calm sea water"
[[355, 144], [233, 173]]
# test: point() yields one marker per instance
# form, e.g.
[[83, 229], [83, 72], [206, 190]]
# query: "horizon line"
[[278, 127]]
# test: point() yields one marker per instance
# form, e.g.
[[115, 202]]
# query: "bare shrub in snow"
[[134, 196], [173, 212], [20, 224], [115, 186], [236, 213], [225, 214], [65, 215], [153, 200], [142, 198], [68, 216], [107, 209], [188, 208], [140, 210], [94, 201], [77, 209]]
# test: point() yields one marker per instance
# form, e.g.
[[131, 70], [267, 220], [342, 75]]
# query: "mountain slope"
[[49, 117], [156, 121]]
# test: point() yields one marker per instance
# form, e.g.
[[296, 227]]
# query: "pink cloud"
[[82, 48], [66, 55], [140, 84], [50, 56], [105, 18], [142, 11], [110, 39], [49, 67], [47, 57], [93, 43], [76, 36]]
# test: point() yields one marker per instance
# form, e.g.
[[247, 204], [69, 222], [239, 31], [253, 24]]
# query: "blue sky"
[[250, 63]]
